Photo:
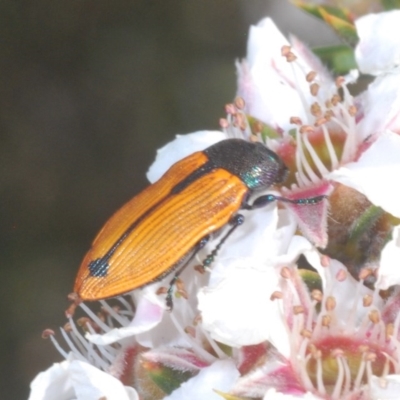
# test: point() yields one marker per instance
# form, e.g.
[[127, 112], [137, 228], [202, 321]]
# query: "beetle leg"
[[235, 221], [168, 299]]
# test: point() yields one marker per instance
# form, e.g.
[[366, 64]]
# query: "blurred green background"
[[89, 90]]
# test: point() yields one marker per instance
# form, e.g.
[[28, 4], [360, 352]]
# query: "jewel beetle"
[[162, 228]]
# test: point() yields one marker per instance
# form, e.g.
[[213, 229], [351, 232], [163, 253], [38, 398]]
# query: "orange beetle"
[[162, 228]]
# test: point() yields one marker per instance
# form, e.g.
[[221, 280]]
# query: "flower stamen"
[[93, 316], [113, 313], [315, 158], [320, 373], [338, 354], [197, 347], [329, 145]]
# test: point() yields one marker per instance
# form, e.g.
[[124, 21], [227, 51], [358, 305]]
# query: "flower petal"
[[221, 375], [91, 383], [378, 50], [311, 217], [256, 236], [235, 310], [272, 394], [375, 173], [344, 289], [243, 279], [272, 87], [380, 105], [387, 388], [149, 313], [180, 359], [180, 147], [388, 273], [52, 384], [273, 371]]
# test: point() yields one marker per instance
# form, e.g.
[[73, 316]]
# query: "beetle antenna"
[[264, 200], [305, 201]]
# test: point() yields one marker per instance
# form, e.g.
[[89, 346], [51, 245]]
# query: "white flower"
[[369, 173], [376, 170], [387, 389], [378, 51], [389, 273], [236, 305], [343, 341], [272, 88], [75, 379], [373, 172], [272, 394]]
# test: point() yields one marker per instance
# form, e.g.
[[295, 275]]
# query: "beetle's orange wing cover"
[[164, 228]]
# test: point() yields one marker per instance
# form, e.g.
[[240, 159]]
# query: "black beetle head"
[[257, 166]]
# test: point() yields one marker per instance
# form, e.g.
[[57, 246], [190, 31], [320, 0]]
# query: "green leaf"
[[345, 29], [365, 223], [311, 279], [257, 126], [338, 18], [225, 348], [292, 132], [390, 4], [166, 378], [228, 396], [318, 10], [340, 59]]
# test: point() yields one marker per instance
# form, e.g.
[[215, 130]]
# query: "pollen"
[[295, 121], [316, 295], [311, 76], [314, 88], [237, 124], [316, 110], [327, 135], [330, 303], [288, 54], [239, 103]]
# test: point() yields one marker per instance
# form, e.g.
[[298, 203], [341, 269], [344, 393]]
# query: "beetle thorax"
[[257, 166]]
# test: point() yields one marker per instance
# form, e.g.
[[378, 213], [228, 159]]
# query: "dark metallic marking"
[[99, 267]]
